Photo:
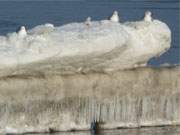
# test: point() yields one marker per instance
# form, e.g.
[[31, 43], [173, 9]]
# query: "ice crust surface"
[[102, 45]]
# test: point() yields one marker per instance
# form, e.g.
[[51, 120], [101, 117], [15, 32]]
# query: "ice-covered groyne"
[[100, 45], [63, 78], [125, 98]]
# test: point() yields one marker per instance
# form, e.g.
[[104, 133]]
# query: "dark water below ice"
[[140, 131], [34, 12]]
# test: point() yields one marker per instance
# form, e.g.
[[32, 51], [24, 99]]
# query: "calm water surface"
[[141, 131]]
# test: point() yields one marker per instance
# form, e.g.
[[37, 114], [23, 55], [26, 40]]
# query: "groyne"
[[121, 99]]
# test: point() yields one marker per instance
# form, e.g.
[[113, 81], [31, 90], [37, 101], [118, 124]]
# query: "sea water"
[[140, 131]]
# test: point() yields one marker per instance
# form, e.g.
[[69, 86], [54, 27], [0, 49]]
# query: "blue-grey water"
[[139, 131], [14, 13]]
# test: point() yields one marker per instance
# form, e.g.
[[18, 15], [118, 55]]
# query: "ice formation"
[[49, 25], [115, 17], [39, 103], [104, 45]]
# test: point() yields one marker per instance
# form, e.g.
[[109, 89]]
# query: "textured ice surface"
[[102, 45], [34, 97], [125, 98]]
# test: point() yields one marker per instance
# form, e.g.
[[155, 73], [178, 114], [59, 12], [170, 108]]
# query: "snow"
[[105, 44]]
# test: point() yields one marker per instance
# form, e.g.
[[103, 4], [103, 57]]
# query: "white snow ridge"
[[104, 45]]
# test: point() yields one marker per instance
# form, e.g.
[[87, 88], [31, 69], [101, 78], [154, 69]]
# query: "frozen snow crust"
[[102, 45]]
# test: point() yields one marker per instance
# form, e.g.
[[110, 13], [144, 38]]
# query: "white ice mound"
[[102, 45]]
